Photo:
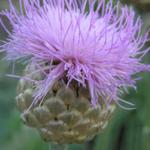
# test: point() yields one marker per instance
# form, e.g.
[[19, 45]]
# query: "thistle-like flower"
[[100, 49], [94, 45]]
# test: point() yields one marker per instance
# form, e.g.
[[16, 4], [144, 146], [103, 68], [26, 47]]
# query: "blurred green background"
[[128, 130]]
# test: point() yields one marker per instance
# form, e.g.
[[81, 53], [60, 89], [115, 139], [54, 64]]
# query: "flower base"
[[65, 115]]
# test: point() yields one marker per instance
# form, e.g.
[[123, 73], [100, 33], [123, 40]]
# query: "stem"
[[58, 147]]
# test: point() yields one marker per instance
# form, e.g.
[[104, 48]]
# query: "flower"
[[100, 49]]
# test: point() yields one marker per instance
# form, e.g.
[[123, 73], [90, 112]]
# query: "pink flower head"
[[99, 48]]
